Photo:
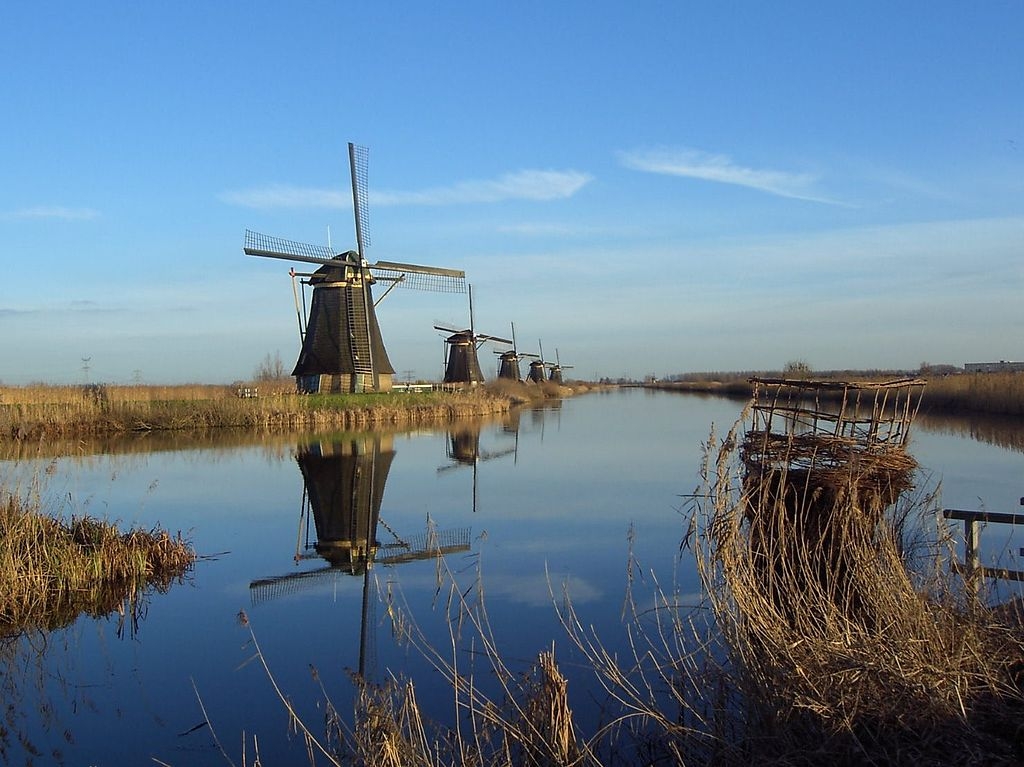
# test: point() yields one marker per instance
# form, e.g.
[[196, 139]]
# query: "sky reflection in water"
[[561, 496]]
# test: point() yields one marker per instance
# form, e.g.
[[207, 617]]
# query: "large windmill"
[[556, 369], [342, 348], [508, 362], [463, 364]]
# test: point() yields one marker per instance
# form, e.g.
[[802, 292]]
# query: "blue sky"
[[649, 187]]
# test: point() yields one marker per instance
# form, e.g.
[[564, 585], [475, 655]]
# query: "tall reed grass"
[[995, 393], [1001, 393], [52, 570], [33, 412]]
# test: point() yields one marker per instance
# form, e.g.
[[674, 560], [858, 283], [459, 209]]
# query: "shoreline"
[[996, 394], [40, 413]]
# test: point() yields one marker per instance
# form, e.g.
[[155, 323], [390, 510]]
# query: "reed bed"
[[857, 655], [1001, 393], [53, 570], [31, 413], [994, 393]]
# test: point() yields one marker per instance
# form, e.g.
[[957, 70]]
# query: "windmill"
[[463, 449], [463, 364], [536, 374], [343, 488], [556, 369], [342, 348], [508, 362]]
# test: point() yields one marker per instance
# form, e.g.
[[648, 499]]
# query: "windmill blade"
[[257, 244], [449, 329], [358, 162], [429, 545], [266, 589], [488, 456], [420, 277], [496, 339], [395, 266]]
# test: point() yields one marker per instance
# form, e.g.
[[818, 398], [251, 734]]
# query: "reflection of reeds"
[[53, 570]]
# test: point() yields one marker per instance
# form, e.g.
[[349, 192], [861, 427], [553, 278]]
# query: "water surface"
[[556, 498]]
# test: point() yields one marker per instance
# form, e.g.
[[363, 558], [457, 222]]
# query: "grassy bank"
[[34, 412], [992, 393]]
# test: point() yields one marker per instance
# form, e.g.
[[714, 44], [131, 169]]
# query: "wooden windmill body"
[[462, 364], [555, 373], [508, 361], [538, 367], [342, 347]]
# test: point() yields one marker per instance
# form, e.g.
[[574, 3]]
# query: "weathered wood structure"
[[832, 438], [822, 462]]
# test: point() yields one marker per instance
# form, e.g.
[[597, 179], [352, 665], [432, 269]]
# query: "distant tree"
[[797, 369], [270, 369]]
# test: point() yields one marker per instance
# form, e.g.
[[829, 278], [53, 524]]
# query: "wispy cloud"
[[533, 229], [53, 211], [539, 185], [693, 163], [283, 196]]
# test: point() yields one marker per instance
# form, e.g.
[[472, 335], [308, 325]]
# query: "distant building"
[[994, 367]]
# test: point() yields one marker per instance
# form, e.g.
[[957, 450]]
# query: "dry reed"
[[840, 652], [52, 570], [34, 412]]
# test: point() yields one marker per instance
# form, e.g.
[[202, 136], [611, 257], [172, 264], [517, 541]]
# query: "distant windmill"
[[556, 369], [343, 487], [342, 347], [536, 374], [508, 362], [463, 364]]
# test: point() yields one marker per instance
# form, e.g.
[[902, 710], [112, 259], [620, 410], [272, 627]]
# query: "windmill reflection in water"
[[464, 448], [343, 488]]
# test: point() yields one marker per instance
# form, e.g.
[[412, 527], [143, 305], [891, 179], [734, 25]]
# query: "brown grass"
[[996, 393], [33, 412], [886, 664], [52, 570], [1001, 393]]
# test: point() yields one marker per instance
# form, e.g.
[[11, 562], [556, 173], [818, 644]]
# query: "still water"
[[555, 498]]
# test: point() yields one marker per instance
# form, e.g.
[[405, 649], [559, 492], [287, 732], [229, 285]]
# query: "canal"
[[585, 500]]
